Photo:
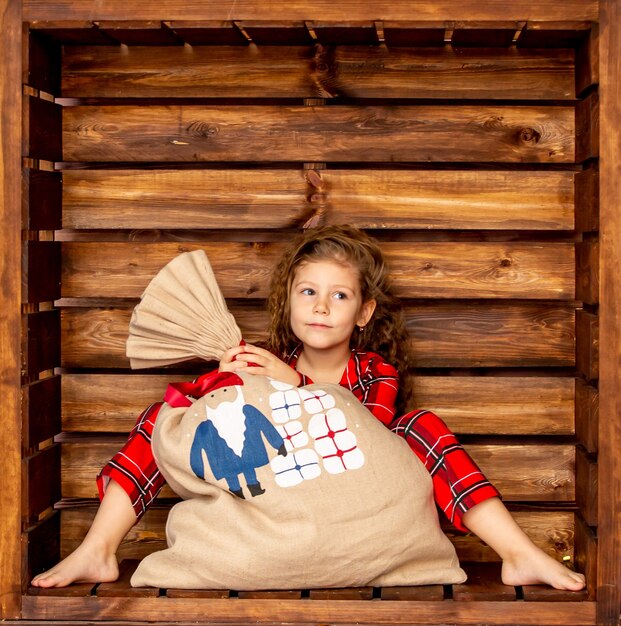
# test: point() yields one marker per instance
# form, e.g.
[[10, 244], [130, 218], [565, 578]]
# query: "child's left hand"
[[254, 360]]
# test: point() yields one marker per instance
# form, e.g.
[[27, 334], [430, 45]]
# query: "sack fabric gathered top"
[[286, 487]]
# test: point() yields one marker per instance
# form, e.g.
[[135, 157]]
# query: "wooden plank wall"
[[465, 161]]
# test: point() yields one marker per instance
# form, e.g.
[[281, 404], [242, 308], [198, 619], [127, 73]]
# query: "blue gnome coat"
[[223, 461]]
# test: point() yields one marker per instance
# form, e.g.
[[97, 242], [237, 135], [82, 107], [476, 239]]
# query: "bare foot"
[[535, 567], [85, 564]]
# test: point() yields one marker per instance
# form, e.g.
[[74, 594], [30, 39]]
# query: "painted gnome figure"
[[231, 437]]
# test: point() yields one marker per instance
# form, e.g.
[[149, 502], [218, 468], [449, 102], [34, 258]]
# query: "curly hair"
[[385, 333]]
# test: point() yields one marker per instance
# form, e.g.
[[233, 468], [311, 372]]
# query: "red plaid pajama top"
[[458, 484]]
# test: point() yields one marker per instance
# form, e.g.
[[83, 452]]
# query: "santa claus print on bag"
[[231, 439]]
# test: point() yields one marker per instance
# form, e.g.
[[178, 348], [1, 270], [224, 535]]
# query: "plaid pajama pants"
[[458, 484]]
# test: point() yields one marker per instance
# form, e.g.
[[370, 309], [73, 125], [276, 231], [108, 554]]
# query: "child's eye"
[[308, 292], [339, 295]]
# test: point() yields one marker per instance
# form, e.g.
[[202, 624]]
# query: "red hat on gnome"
[[180, 394]]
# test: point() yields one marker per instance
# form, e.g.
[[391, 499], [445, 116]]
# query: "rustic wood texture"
[[587, 128], [468, 404], [41, 411], [41, 199], [587, 201], [302, 72], [587, 415], [42, 67], [522, 472], [418, 270], [552, 531], [450, 335], [587, 61], [41, 271], [277, 199], [42, 489], [483, 584], [609, 505], [189, 133], [42, 138], [42, 342], [10, 285], [41, 545], [345, 13], [586, 486], [318, 611], [587, 271], [587, 344]]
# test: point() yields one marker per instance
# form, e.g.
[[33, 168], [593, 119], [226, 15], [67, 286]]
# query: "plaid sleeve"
[[458, 483], [374, 382], [133, 467]]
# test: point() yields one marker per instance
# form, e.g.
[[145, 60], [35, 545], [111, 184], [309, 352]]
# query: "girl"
[[333, 320]]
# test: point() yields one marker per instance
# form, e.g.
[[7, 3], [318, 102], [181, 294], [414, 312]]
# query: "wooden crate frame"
[[605, 321]]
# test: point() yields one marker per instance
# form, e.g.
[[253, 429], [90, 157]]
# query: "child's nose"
[[321, 306]]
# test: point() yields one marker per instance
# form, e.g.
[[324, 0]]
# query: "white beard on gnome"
[[229, 420]]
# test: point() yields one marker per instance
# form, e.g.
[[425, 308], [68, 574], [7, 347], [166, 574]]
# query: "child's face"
[[326, 304]]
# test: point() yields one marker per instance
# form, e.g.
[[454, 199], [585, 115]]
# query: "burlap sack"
[[292, 488]]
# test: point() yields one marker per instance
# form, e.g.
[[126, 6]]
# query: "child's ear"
[[366, 312]]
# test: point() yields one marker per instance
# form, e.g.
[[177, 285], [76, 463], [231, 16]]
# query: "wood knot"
[[505, 262], [529, 135], [427, 266], [203, 129]]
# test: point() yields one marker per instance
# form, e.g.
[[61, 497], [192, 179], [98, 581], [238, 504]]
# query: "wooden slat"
[[11, 559], [483, 584], [353, 593], [419, 593], [587, 555], [587, 61], [587, 128], [187, 133], [609, 505], [138, 32], [344, 612], [543, 593], [495, 405], [346, 11], [587, 344], [42, 336], [42, 129], [522, 472], [41, 545], [277, 199], [41, 482], [64, 30], [451, 335], [419, 270], [41, 271], [587, 201], [42, 65], [301, 72], [587, 415], [121, 587], [587, 486], [551, 34], [587, 271], [42, 197], [281, 594], [41, 411], [207, 32], [552, 531]]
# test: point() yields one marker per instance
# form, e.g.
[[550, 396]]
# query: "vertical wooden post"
[[10, 284], [609, 507]]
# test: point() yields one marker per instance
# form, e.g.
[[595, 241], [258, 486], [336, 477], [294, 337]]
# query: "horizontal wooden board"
[[306, 72], [277, 199], [419, 270], [469, 405], [346, 12], [552, 531], [190, 133], [451, 335], [521, 472]]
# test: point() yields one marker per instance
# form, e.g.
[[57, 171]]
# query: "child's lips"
[[319, 326]]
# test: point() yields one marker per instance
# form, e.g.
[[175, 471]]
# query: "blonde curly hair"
[[385, 333]]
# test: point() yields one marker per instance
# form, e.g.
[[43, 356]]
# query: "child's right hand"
[[257, 361]]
